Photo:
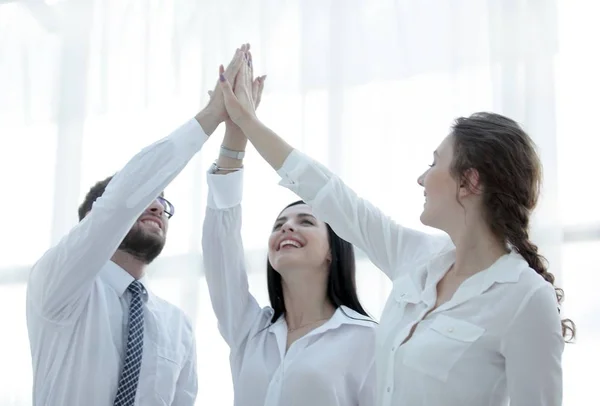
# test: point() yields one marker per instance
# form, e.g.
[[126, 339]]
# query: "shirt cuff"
[[225, 191], [194, 128], [303, 176]]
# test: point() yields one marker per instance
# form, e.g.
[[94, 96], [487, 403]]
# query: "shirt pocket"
[[437, 350], [168, 367]]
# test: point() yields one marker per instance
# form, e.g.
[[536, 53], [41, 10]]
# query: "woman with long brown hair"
[[473, 316]]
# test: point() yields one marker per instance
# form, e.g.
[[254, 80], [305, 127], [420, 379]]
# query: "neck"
[[129, 263], [305, 298], [476, 249]]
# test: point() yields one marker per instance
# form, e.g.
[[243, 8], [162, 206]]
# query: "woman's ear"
[[470, 183]]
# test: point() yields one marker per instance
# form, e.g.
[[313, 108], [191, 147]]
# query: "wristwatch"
[[231, 153]]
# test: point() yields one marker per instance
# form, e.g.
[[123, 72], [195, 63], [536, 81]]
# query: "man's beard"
[[142, 245]]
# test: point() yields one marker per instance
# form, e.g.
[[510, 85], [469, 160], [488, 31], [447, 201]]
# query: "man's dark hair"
[[94, 193]]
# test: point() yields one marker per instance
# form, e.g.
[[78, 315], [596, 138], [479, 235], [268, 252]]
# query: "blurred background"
[[369, 88]]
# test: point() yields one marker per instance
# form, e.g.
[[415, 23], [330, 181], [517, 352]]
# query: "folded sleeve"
[[224, 262]]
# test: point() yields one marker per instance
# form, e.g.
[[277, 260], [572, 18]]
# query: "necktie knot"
[[136, 288]]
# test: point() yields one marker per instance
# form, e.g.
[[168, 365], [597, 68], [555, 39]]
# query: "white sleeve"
[[388, 245], [224, 263], [533, 348], [59, 283]]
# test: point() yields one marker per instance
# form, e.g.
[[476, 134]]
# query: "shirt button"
[[450, 329], [393, 349], [403, 294], [389, 389]]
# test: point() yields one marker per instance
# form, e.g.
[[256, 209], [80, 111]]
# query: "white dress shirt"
[[498, 338], [333, 365], [77, 303]]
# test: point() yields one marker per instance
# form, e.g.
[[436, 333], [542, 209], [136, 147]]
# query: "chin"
[[424, 219], [285, 262], [154, 235], [282, 264]]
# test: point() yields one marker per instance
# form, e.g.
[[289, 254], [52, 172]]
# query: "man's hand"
[[215, 113], [242, 98], [216, 104], [234, 137], [231, 129], [245, 78]]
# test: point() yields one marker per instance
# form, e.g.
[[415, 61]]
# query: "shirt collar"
[[345, 315], [119, 279], [507, 269], [342, 315]]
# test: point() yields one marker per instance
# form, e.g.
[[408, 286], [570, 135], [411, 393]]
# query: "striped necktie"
[[135, 345]]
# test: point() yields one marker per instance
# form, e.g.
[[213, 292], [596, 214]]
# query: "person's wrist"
[[233, 131], [209, 120], [246, 120]]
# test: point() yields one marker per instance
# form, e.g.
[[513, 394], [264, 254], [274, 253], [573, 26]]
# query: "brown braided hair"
[[511, 173]]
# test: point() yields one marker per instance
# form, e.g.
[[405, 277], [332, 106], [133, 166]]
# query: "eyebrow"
[[301, 215]]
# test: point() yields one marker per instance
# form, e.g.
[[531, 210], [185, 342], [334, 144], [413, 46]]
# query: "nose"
[[421, 179], [287, 227], [156, 208]]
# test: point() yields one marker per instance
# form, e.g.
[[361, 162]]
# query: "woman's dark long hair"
[[341, 281]]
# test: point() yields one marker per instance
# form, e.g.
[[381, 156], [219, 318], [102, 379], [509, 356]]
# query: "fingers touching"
[[241, 91]]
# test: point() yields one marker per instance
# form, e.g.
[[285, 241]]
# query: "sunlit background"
[[367, 87]]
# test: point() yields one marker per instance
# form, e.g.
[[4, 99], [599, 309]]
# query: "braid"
[[510, 172], [511, 220]]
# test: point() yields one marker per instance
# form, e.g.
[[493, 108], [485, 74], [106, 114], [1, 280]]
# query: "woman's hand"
[[216, 104], [258, 85], [242, 99], [234, 138]]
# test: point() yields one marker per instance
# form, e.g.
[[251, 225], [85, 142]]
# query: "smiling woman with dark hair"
[[341, 283], [315, 344]]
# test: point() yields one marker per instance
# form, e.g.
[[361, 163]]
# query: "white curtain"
[[367, 87]]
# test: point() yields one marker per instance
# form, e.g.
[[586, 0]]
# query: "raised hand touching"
[[243, 98], [234, 139], [216, 104]]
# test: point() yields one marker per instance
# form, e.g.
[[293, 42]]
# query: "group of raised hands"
[[238, 93]]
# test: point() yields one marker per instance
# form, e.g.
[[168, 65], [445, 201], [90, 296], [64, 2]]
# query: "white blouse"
[[333, 365], [497, 339]]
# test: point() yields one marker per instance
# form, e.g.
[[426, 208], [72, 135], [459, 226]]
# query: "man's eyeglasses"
[[169, 209]]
